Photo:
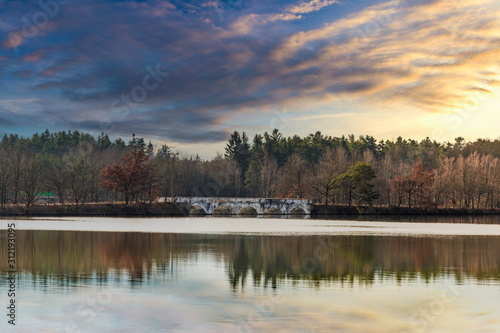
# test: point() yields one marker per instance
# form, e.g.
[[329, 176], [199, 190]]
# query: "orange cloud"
[[430, 55], [33, 57], [13, 40]]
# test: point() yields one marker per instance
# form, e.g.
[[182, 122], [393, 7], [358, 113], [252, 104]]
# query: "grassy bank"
[[104, 209], [394, 210]]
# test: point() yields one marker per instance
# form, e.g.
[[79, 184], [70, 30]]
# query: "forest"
[[75, 168]]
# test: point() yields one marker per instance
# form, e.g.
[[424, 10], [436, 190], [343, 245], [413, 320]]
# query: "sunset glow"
[[191, 73]]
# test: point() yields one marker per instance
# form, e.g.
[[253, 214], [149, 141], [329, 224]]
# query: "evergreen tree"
[[238, 149], [355, 182]]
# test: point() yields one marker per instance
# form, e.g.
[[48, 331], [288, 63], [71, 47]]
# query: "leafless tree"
[[7, 179], [31, 181], [332, 163], [292, 180]]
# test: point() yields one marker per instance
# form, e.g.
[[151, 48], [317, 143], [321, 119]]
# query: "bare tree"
[[261, 176], [82, 174], [31, 181], [292, 178], [17, 157], [7, 179], [332, 163], [415, 188], [56, 175]]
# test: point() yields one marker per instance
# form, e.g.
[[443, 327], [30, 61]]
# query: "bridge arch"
[[197, 210], [297, 211], [248, 211], [206, 207], [223, 210]]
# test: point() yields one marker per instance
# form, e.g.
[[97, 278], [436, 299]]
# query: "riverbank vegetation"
[[73, 169], [96, 210]]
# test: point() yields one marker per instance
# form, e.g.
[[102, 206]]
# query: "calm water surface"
[[253, 275]]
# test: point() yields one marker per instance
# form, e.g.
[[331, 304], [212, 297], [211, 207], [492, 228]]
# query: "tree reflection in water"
[[71, 257]]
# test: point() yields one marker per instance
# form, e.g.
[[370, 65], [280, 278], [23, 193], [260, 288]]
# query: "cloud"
[[34, 56], [436, 55], [24, 73], [310, 6], [245, 24], [13, 40], [5, 122], [431, 54]]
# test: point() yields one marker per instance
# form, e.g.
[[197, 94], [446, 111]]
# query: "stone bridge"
[[245, 206]]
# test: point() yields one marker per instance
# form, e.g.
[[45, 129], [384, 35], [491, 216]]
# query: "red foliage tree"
[[416, 187], [135, 176]]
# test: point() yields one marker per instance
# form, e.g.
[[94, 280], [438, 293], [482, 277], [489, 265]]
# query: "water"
[[252, 275]]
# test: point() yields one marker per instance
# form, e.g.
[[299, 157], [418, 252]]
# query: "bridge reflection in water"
[[244, 206]]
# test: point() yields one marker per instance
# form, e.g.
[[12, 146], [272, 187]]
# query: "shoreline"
[[174, 209], [272, 227], [322, 210], [97, 210]]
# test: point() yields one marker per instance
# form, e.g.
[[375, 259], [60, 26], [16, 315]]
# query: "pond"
[[251, 275]]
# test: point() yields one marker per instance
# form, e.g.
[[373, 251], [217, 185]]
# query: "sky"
[[190, 73]]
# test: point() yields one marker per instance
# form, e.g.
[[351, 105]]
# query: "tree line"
[[77, 168], [349, 170]]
